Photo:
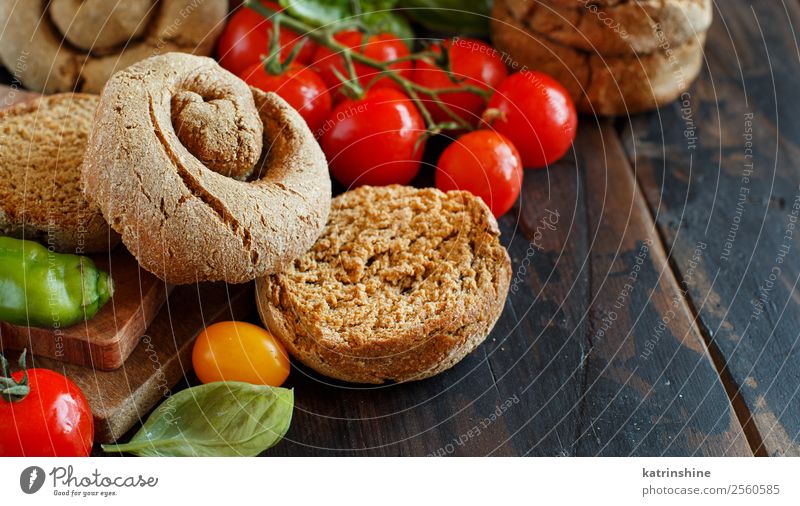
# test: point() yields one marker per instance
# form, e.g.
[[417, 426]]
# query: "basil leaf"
[[388, 21], [376, 14], [220, 419], [318, 12], [464, 16]]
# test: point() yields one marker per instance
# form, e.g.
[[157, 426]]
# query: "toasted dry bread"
[[42, 143], [601, 84], [402, 284]]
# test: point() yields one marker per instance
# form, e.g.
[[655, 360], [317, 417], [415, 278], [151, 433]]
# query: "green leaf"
[[388, 21], [461, 16], [219, 419], [318, 12], [375, 14]]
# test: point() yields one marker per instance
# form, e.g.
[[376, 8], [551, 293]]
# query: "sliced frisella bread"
[[402, 284], [42, 143], [639, 27], [601, 84]]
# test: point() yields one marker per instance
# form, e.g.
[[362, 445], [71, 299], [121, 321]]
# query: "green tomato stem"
[[325, 38]]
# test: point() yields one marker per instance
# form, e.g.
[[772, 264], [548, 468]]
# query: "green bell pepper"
[[40, 288]]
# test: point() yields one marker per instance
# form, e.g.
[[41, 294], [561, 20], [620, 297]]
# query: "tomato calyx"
[[493, 114], [10, 389]]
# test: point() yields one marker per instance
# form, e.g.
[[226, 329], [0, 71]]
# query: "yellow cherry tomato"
[[239, 351]]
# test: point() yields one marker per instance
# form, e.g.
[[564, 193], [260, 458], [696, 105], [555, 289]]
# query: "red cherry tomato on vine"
[[485, 164], [52, 420], [537, 114], [300, 86], [382, 47], [246, 38], [376, 140], [472, 63]]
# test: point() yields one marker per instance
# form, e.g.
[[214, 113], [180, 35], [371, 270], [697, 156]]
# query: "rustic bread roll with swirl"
[[205, 178], [76, 45]]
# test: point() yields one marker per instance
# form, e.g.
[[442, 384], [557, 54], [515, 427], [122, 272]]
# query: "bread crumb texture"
[[402, 284], [41, 150]]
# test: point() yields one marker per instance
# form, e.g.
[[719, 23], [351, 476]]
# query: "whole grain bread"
[[600, 84], [173, 137], [402, 284], [42, 143], [641, 27], [76, 45]]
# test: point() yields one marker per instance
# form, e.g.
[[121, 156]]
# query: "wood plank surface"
[[105, 341], [720, 170], [122, 398], [551, 379]]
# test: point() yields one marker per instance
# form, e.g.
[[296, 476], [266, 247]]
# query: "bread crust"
[[41, 149], [402, 284], [77, 46], [627, 28], [599, 84], [184, 221]]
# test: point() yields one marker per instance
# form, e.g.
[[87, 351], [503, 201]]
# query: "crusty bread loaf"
[[402, 284], [640, 27], [601, 84], [42, 143], [76, 45], [174, 137]]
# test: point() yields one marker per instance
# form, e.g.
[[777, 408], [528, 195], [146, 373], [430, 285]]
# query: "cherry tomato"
[[246, 38], [239, 351], [485, 164], [376, 140], [472, 63], [382, 47], [53, 420], [300, 86], [537, 114]]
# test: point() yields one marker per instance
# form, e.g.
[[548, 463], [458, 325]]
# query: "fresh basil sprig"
[[375, 14], [219, 419]]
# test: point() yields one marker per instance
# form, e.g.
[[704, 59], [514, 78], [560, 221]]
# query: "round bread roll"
[[402, 284], [600, 84], [205, 178], [76, 45], [639, 27]]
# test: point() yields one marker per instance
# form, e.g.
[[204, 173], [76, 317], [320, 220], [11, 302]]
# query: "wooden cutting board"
[[121, 392], [121, 398], [105, 341]]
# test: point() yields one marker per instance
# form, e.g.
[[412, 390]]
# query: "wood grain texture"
[[120, 399], [105, 341], [720, 170], [551, 379]]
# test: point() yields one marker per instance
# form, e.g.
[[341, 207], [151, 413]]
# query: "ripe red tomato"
[[376, 140], [246, 38], [382, 47], [472, 63], [485, 164], [300, 86], [537, 114], [53, 420]]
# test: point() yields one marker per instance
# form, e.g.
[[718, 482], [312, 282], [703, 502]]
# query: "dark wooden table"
[[645, 321], [653, 308]]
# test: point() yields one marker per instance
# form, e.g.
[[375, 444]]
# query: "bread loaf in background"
[[615, 58], [76, 45]]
